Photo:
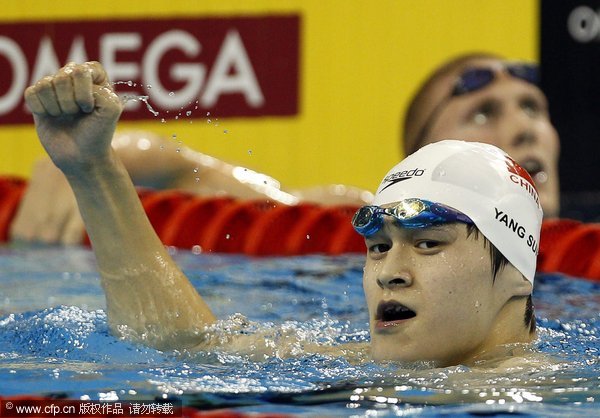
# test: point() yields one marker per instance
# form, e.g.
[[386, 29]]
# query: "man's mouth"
[[392, 313], [536, 170]]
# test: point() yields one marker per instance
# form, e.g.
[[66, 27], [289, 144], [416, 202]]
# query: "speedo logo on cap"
[[397, 177]]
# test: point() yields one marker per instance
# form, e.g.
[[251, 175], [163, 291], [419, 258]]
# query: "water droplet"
[[208, 120], [188, 113], [225, 131], [178, 150], [249, 152], [197, 179], [148, 86], [130, 83], [307, 236], [171, 94], [195, 169], [174, 136], [207, 113], [148, 106], [162, 147], [163, 120], [227, 236], [176, 117]]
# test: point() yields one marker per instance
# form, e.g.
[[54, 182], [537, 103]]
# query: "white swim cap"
[[481, 181]]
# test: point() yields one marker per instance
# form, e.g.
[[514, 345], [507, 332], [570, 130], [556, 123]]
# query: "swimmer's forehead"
[[442, 85]]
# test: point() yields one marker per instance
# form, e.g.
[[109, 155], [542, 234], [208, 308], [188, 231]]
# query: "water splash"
[[149, 106], [126, 98], [71, 350]]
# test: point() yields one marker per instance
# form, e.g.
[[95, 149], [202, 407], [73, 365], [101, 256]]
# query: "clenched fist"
[[75, 113]]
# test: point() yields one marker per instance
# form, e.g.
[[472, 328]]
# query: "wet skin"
[[431, 296]]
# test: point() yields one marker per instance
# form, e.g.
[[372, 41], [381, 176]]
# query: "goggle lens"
[[477, 78], [409, 213], [366, 220]]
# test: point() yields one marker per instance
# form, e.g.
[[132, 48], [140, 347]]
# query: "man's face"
[[510, 114], [430, 294]]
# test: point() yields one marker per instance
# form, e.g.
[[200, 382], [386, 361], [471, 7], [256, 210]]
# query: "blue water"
[[54, 340]]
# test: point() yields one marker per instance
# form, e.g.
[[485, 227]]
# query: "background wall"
[[359, 64], [569, 56]]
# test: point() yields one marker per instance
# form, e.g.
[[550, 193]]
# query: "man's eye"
[[427, 244], [483, 114], [379, 248], [531, 107]]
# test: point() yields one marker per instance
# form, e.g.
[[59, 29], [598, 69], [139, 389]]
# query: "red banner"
[[228, 66]]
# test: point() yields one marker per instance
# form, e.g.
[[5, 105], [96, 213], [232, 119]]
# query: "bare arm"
[[156, 162], [151, 161], [75, 113], [59, 221]]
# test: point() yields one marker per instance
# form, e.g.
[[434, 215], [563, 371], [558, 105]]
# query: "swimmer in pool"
[[485, 98], [451, 240]]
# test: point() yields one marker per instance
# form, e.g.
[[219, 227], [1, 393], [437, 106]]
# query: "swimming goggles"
[[476, 78], [409, 213], [473, 79]]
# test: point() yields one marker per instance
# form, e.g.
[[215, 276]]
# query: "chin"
[[390, 352], [406, 360], [415, 357]]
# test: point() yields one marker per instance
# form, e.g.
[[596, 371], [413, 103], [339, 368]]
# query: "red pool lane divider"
[[231, 229], [326, 230], [161, 205], [188, 224], [11, 191], [263, 228], [252, 227], [570, 247]]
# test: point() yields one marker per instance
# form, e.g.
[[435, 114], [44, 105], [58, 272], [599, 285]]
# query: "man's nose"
[[396, 272], [395, 281], [520, 130], [524, 138]]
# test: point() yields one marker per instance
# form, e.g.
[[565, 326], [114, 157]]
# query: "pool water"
[[54, 340]]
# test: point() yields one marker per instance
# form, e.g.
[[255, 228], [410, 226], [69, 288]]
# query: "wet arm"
[[148, 297], [145, 290]]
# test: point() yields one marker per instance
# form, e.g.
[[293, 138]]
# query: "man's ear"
[[516, 284], [522, 286]]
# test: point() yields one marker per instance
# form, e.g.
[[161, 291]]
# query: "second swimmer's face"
[[511, 114]]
